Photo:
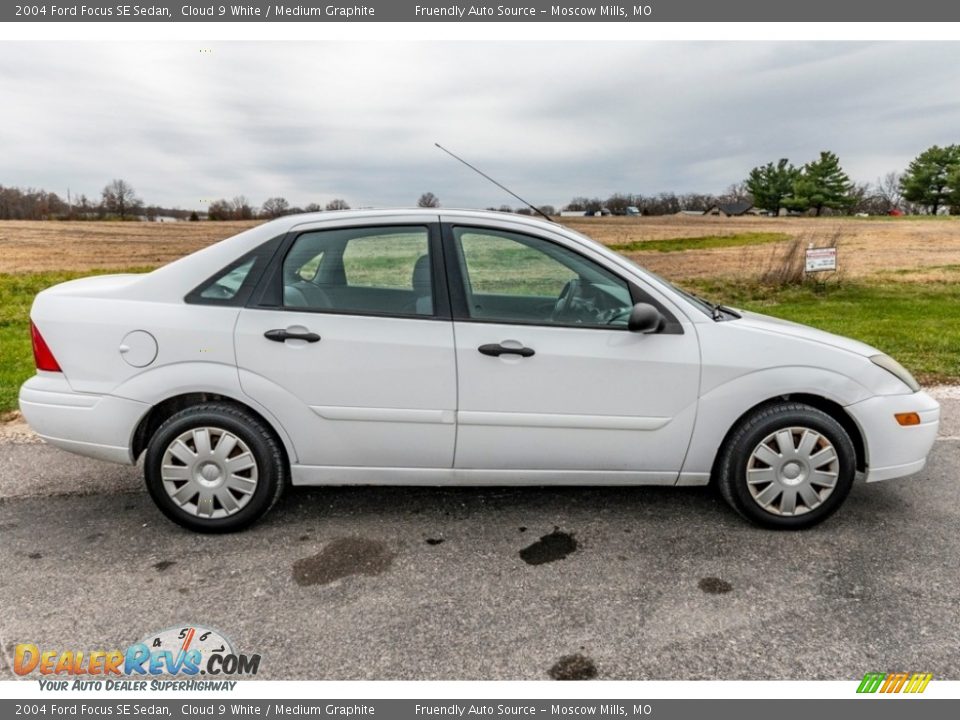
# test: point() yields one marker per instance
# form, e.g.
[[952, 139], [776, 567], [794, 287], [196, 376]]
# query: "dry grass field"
[[32, 246], [919, 249], [866, 246]]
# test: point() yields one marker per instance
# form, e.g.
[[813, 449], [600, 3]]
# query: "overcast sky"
[[315, 121]]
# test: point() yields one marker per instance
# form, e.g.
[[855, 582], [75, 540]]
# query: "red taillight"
[[42, 356]]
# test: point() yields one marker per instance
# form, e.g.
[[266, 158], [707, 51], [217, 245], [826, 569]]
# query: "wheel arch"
[[165, 409], [830, 407]]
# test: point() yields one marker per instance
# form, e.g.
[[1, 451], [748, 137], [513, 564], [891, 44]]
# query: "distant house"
[[691, 213], [733, 209], [158, 218], [572, 213]]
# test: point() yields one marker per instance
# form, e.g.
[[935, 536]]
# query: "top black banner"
[[530, 11]]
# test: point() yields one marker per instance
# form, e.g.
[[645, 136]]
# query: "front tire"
[[214, 468], [787, 466]]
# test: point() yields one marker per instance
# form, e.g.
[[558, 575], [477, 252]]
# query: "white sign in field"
[[821, 259]]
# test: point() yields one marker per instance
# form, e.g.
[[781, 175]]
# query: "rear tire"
[[787, 466], [214, 468]]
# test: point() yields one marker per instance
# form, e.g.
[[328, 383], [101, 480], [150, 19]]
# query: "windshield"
[[705, 307]]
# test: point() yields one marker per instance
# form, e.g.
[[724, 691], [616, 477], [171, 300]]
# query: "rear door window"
[[379, 270]]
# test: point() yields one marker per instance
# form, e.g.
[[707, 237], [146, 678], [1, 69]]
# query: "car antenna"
[[502, 187]]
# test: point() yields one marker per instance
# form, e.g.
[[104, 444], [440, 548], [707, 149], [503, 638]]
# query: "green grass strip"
[[704, 242]]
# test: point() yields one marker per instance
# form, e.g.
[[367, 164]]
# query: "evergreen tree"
[[821, 184], [771, 184], [928, 177], [953, 182]]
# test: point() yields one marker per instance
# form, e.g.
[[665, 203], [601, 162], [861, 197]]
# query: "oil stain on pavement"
[[573, 667], [341, 558], [714, 586], [555, 546]]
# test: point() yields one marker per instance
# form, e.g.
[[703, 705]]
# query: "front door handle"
[[496, 350], [281, 335]]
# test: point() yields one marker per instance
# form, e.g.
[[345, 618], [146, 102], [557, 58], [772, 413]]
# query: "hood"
[[765, 323]]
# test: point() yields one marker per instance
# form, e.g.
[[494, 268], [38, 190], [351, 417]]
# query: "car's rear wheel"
[[787, 465], [214, 468]]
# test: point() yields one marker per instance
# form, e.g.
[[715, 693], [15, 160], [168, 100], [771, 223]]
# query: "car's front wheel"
[[214, 468], [787, 465]]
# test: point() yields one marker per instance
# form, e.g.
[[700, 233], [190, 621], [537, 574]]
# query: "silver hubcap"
[[209, 472], [792, 471]]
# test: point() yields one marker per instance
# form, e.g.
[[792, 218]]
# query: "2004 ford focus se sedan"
[[454, 347]]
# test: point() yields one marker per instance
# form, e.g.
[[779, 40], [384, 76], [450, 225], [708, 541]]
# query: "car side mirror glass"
[[645, 318]]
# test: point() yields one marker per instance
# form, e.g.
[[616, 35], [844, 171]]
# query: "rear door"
[[349, 343], [549, 376]]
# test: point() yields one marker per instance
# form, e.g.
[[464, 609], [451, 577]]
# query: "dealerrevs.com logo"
[[188, 651]]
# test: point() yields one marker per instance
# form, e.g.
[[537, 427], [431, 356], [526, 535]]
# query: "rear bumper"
[[98, 426], [893, 450]]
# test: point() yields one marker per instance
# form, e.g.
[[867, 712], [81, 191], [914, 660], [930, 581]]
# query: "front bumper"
[[98, 426], [894, 450]]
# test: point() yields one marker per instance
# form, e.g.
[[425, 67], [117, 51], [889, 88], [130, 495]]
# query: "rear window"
[[233, 284], [228, 284]]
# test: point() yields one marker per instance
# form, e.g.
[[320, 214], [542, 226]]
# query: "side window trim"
[[458, 296], [268, 294]]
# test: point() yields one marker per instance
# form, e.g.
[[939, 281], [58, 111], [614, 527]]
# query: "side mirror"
[[645, 318]]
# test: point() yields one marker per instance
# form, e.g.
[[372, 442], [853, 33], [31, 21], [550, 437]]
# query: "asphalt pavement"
[[492, 583]]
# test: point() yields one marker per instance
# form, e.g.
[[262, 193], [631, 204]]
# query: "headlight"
[[897, 370]]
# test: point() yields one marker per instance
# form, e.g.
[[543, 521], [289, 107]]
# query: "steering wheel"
[[571, 291], [615, 315]]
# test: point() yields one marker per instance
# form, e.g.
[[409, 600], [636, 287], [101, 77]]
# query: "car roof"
[[291, 221]]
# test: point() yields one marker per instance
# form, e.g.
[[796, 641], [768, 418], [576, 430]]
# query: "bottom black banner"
[[874, 708]]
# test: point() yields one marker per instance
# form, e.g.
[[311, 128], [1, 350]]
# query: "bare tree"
[[618, 203], [738, 192], [338, 204], [120, 199], [888, 188], [220, 210], [84, 207], [31, 204], [313, 207], [428, 200], [275, 207], [863, 199], [242, 210]]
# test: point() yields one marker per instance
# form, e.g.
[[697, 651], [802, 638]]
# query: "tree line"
[[930, 184], [119, 201]]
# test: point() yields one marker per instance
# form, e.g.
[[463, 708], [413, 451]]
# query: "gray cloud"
[[313, 121]]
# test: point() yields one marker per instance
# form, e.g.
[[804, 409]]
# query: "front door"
[[549, 376], [355, 353]]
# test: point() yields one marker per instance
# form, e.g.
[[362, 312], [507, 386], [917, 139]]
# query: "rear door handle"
[[281, 335], [496, 350]]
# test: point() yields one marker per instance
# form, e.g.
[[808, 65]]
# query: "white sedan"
[[454, 347]]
